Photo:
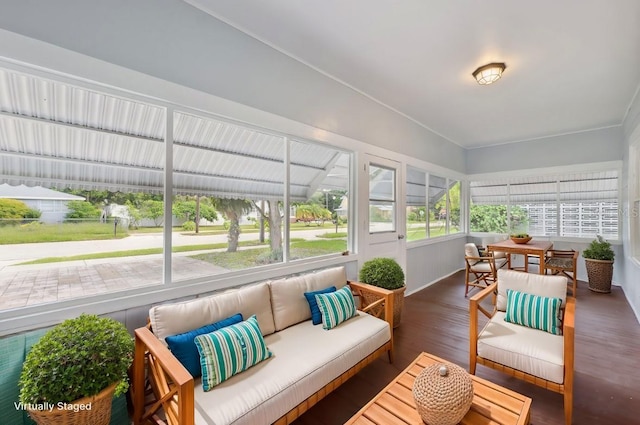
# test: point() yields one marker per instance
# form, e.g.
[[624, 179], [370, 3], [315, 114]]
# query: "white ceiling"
[[572, 65]]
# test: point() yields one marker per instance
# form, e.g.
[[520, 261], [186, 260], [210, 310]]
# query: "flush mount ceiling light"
[[490, 73]]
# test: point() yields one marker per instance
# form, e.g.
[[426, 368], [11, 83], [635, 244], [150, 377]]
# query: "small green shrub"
[[77, 358], [270, 257], [599, 249], [520, 235], [383, 272], [189, 226], [13, 208]]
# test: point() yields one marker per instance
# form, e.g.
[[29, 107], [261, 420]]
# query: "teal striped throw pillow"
[[229, 351], [336, 307], [534, 311]]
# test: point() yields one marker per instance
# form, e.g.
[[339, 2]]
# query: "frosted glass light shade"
[[488, 74]]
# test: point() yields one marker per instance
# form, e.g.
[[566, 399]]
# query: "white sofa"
[[308, 361]]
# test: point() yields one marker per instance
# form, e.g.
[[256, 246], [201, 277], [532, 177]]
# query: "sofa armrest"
[[171, 383], [381, 295], [568, 333], [474, 310]]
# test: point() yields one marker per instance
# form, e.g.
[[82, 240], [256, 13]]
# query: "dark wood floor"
[[607, 371]]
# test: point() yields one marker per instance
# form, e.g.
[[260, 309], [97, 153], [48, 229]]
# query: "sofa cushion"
[[336, 307], [184, 348], [546, 286], [316, 316], [529, 350], [229, 351], [175, 318], [534, 311], [305, 359], [287, 295]]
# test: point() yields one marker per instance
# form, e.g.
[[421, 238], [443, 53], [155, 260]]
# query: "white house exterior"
[[51, 203]]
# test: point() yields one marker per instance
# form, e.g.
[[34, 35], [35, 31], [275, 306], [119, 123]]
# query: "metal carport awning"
[[57, 135]]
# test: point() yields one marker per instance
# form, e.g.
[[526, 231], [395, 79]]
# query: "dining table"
[[537, 248]]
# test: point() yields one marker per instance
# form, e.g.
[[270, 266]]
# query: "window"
[[433, 205], [488, 207], [319, 209], [382, 199], [234, 192], [574, 205], [416, 192]]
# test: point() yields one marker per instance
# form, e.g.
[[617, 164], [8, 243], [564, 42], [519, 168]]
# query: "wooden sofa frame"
[[568, 333], [162, 390]]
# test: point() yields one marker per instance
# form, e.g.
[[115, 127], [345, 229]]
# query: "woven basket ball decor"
[[443, 394]]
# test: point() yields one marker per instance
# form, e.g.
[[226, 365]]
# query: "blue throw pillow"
[[184, 348], [316, 317]]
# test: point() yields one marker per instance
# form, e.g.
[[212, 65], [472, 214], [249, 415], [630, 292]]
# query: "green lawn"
[[251, 257], [63, 232]]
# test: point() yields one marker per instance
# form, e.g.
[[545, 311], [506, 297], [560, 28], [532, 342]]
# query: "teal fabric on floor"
[[13, 350]]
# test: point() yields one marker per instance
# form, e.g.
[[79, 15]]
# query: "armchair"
[[483, 268], [533, 355]]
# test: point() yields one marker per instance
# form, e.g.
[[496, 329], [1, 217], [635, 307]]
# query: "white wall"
[[170, 39], [430, 262], [577, 148], [631, 267]]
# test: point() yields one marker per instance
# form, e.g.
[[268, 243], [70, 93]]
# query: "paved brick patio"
[[22, 286]]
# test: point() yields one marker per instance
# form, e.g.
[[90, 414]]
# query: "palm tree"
[[232, 209]]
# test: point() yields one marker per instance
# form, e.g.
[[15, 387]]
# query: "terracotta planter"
[[94, 410], [600, 274]]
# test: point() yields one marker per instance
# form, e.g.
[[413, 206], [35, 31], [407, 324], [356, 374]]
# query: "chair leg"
[[568, 407], [472, 364], [466, 282]]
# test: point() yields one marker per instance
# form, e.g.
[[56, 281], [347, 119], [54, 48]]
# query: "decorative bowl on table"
[[520, 238]]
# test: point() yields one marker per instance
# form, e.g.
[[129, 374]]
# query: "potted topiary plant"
[[598, 258], [386, 273], [72, 373]]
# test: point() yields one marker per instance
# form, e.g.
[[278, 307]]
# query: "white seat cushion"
[[485, 267], [175, 318], [536, 284], [305, 359], [529, 350], [288, 302]]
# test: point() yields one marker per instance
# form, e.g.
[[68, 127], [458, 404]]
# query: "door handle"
[[400, 236]]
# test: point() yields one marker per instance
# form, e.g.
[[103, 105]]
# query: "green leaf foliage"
[[13, 209], [82, 209], [77, 358], [383, 272], [599, 249]]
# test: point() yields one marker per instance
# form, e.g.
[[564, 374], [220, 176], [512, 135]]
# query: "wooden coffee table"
[[492, 404]]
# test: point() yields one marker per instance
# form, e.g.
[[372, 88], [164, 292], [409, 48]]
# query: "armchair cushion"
[[529, 350], [534, 311], [546, 286]]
